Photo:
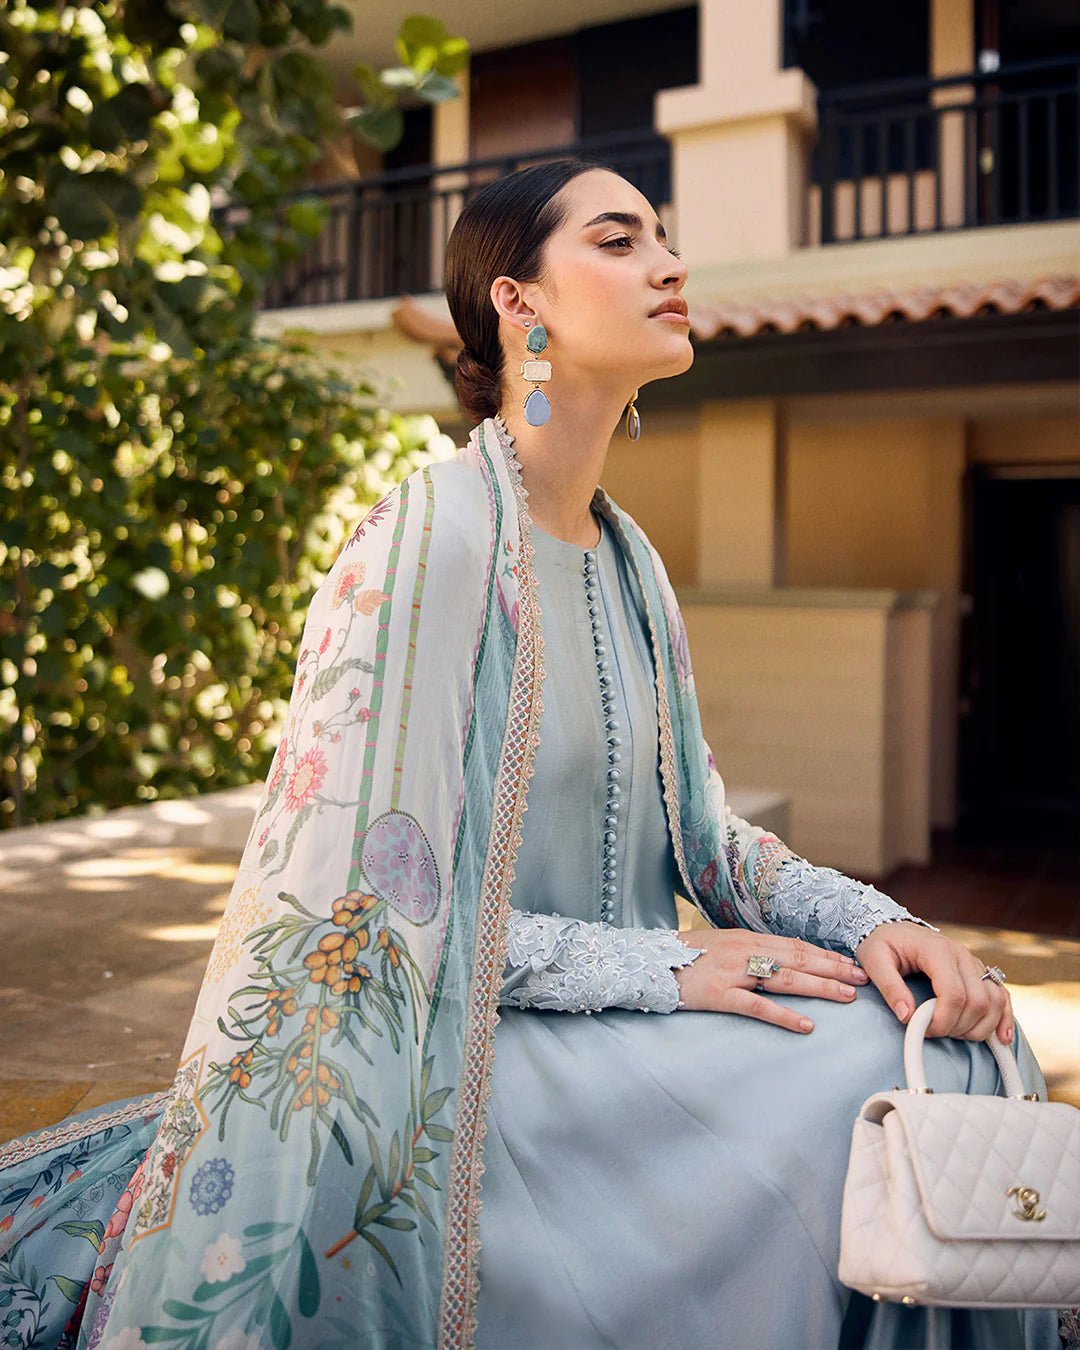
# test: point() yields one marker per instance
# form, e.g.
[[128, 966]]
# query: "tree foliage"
[[171, 487]]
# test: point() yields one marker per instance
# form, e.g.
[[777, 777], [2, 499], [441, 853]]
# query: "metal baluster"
[[1051, 157], [995, 163], [939, 141], [1022, 137], [857, 170]]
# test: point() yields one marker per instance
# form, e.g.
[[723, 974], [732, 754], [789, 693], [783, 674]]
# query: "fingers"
[[789, 981], [749, 1004], [988, 1004]]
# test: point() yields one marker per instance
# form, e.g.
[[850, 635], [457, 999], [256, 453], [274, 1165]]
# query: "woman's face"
[[604, 279]]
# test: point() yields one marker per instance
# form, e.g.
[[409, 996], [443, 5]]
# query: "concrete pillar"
[[741, 493], [449, 145], [740, 140], [952, 48]]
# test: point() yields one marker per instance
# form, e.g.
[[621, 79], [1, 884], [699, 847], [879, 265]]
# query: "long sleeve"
[[798, 899], [574, 965]]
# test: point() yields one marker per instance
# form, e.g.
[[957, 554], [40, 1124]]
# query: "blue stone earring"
[[537, 406]]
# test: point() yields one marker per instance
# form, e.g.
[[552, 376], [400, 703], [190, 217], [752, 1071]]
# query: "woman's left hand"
[[968, 1006]]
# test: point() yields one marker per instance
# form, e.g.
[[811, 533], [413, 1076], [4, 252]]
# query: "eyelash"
[[625, 239]]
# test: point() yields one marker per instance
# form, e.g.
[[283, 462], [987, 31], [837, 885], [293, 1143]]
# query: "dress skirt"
[[677, 1180]]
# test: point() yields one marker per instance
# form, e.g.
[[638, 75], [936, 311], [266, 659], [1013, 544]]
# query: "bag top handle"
[[915, 1070]]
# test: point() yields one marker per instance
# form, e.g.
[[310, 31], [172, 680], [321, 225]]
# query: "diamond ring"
[[994, 973]]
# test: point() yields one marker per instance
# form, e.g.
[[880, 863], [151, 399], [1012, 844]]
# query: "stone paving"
[[102, 958]]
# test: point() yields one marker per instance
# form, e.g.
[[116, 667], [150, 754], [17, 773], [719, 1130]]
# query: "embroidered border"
[[460, 1286], [18, 1150]]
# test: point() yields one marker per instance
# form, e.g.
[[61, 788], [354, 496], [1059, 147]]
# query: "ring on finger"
[[994, 973], [762, 966]]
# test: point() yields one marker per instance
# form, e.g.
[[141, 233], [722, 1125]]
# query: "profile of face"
[[606, 269]]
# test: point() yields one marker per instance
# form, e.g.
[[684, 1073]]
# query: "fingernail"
[[902, 1009], [806, 1024]]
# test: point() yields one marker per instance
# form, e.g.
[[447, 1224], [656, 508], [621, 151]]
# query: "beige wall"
[[878, 503], [817, 697]]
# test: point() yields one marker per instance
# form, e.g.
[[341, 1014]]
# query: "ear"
[[508, 297]]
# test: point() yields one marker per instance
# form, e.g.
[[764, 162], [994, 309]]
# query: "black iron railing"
[[911, 156], [386, 234]]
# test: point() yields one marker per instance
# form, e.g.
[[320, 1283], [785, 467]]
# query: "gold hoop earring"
[[633, 418]]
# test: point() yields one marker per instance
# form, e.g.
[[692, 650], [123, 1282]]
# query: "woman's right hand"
[[716, 981]]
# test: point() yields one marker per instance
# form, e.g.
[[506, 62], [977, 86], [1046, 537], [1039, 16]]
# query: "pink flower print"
[[6, 1222], [707, 880], [168, 1164], [305, 779], [325, 642], [351, 576], [118, 1222], [74, 1176], [101, 1275], [262, 837], [364, 714], [354, 693]]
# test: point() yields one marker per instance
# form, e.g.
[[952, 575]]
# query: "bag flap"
[[968, 1150]]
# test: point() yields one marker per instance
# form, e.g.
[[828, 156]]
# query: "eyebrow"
[[628, 218]]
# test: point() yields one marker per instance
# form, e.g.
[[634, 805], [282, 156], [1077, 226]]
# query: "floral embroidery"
[[830, 909], [578, 966]]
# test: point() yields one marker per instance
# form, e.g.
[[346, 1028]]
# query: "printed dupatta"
[[317, 1165]]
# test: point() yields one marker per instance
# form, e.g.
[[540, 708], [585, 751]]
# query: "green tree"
[[171, 487]]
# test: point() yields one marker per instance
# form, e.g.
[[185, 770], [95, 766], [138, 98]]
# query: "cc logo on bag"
[[1029, 1202]]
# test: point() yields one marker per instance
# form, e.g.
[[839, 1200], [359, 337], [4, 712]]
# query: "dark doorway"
[[1020, 704]]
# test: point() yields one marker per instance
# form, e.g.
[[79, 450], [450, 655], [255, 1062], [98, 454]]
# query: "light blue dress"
[[658, 1180]]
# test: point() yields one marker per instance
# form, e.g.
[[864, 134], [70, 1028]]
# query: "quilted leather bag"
[[961, 1199]]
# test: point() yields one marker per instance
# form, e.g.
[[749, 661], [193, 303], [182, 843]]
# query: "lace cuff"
[[828, 908], [576, 966]]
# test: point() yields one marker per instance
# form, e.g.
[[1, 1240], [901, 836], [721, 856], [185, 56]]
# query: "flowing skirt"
[[677, 1180], [649, 1181]]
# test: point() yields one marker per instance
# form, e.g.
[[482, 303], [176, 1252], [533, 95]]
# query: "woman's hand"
[[968, 1006], [716, 981]]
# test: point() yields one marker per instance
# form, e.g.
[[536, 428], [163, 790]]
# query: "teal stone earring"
[[537, 406]]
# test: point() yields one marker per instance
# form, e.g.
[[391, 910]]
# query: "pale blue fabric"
[[675, 1180]]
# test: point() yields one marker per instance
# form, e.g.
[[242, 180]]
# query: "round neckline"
[[567, 543]]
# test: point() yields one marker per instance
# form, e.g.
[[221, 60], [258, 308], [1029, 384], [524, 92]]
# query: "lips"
[[675, 308]]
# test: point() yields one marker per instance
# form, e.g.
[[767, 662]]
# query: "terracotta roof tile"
[[883, 305]]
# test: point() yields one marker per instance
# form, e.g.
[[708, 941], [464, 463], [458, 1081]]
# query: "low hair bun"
[[476, 385]]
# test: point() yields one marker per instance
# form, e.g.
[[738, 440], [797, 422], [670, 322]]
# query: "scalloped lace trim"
[[824, 906], [578, 966]]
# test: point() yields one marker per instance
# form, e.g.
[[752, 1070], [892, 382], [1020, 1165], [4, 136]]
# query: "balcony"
[[919, 156], [891, 159], [386, 234]]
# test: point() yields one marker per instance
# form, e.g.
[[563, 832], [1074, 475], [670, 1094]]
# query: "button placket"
[[609, 870]]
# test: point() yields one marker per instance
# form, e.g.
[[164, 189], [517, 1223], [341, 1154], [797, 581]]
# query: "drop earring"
[[633, 418], [537, 405]]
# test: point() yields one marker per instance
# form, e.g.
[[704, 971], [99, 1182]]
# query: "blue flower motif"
[[212, 1185]]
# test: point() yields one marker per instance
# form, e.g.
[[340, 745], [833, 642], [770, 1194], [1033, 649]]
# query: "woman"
[[313, 1177]]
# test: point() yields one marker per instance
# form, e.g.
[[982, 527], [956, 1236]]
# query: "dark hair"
[[501, 231]]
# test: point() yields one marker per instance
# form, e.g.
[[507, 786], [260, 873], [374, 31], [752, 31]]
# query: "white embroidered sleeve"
[[826, 907], [576, 966]]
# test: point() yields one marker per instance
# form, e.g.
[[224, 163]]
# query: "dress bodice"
[[595, 838]]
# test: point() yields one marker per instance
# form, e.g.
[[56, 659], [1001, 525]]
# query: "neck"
[[562, 461]]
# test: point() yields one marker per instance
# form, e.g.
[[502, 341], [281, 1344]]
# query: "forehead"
[[599, 190]]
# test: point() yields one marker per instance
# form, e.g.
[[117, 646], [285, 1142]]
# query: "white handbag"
[[962, 1199]]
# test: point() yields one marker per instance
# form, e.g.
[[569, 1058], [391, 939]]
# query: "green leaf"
[[381, 127], [308, 1294], [124, 118], [72, 1290]]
